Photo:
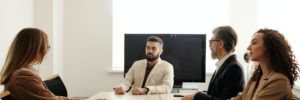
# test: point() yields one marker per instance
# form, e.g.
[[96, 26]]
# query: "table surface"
[[129, 96]]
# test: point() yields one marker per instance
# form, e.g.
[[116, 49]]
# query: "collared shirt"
[[220, 62]]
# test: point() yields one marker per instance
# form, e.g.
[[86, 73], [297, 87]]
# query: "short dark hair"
[[155, 39], [227, 35]]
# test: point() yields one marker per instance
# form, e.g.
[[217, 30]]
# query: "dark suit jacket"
[[226, 83]]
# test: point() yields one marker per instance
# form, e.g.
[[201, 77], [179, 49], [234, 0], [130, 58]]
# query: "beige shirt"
[[274, 86], [25, 84]]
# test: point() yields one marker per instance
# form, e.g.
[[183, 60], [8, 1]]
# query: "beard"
[[151, 57], [214, 54]]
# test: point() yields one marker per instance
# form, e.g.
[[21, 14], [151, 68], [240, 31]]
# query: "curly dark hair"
[[282, 58]]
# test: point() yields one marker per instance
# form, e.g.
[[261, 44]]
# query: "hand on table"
[[139, 91], [119, 90]]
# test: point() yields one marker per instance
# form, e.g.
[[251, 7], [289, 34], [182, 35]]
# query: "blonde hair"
[[28, 47]]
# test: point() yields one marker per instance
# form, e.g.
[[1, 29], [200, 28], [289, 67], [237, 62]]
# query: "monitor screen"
[[186, 52]]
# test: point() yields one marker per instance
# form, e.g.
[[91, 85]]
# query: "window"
[[281, 15], [166, 16]]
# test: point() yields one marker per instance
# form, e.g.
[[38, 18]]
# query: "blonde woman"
[[18, 75]]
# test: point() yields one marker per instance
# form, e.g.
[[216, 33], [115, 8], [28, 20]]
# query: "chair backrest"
[[56, 86], [5, 96], [8, 97]]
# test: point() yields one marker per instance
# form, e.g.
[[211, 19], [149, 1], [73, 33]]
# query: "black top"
[[148, 70]]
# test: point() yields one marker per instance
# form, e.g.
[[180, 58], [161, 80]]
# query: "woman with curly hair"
[[276, 68]]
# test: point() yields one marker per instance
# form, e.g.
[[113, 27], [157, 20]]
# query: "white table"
[[129, 96]]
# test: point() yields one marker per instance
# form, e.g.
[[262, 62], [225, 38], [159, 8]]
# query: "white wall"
[[48, 17], [11, 22], [58, 37], [14, 15], [244, 21], [43, 19], [88, 47]]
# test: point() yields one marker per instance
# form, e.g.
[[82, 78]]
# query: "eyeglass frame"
[[211, 40]]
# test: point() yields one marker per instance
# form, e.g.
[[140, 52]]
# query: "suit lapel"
[[249, 91], [263, 83], [211, 81], [142, 73], [155, 69], [221, 69], [213, 77]]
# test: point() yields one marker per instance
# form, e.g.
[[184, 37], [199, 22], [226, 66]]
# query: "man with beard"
[[228, 79], [150, 75]]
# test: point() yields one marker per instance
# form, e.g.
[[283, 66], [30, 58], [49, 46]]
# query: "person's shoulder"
[[278, 81], [19, 75], [278, 76], [164, 62], [234, 63], [23, 72], [233, 68], [140, 61]]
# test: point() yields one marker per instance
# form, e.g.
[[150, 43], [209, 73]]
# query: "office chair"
[[56, 86], [8, 97], [5, 96]]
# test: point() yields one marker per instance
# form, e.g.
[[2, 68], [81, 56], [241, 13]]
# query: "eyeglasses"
[[210, 41]]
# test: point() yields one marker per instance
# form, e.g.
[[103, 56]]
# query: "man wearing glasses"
[[228, 79]]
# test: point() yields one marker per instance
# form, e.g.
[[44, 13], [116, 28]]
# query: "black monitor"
[[186, 52]]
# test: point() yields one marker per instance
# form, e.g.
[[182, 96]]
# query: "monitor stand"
[[176, 88], [186, 87]]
